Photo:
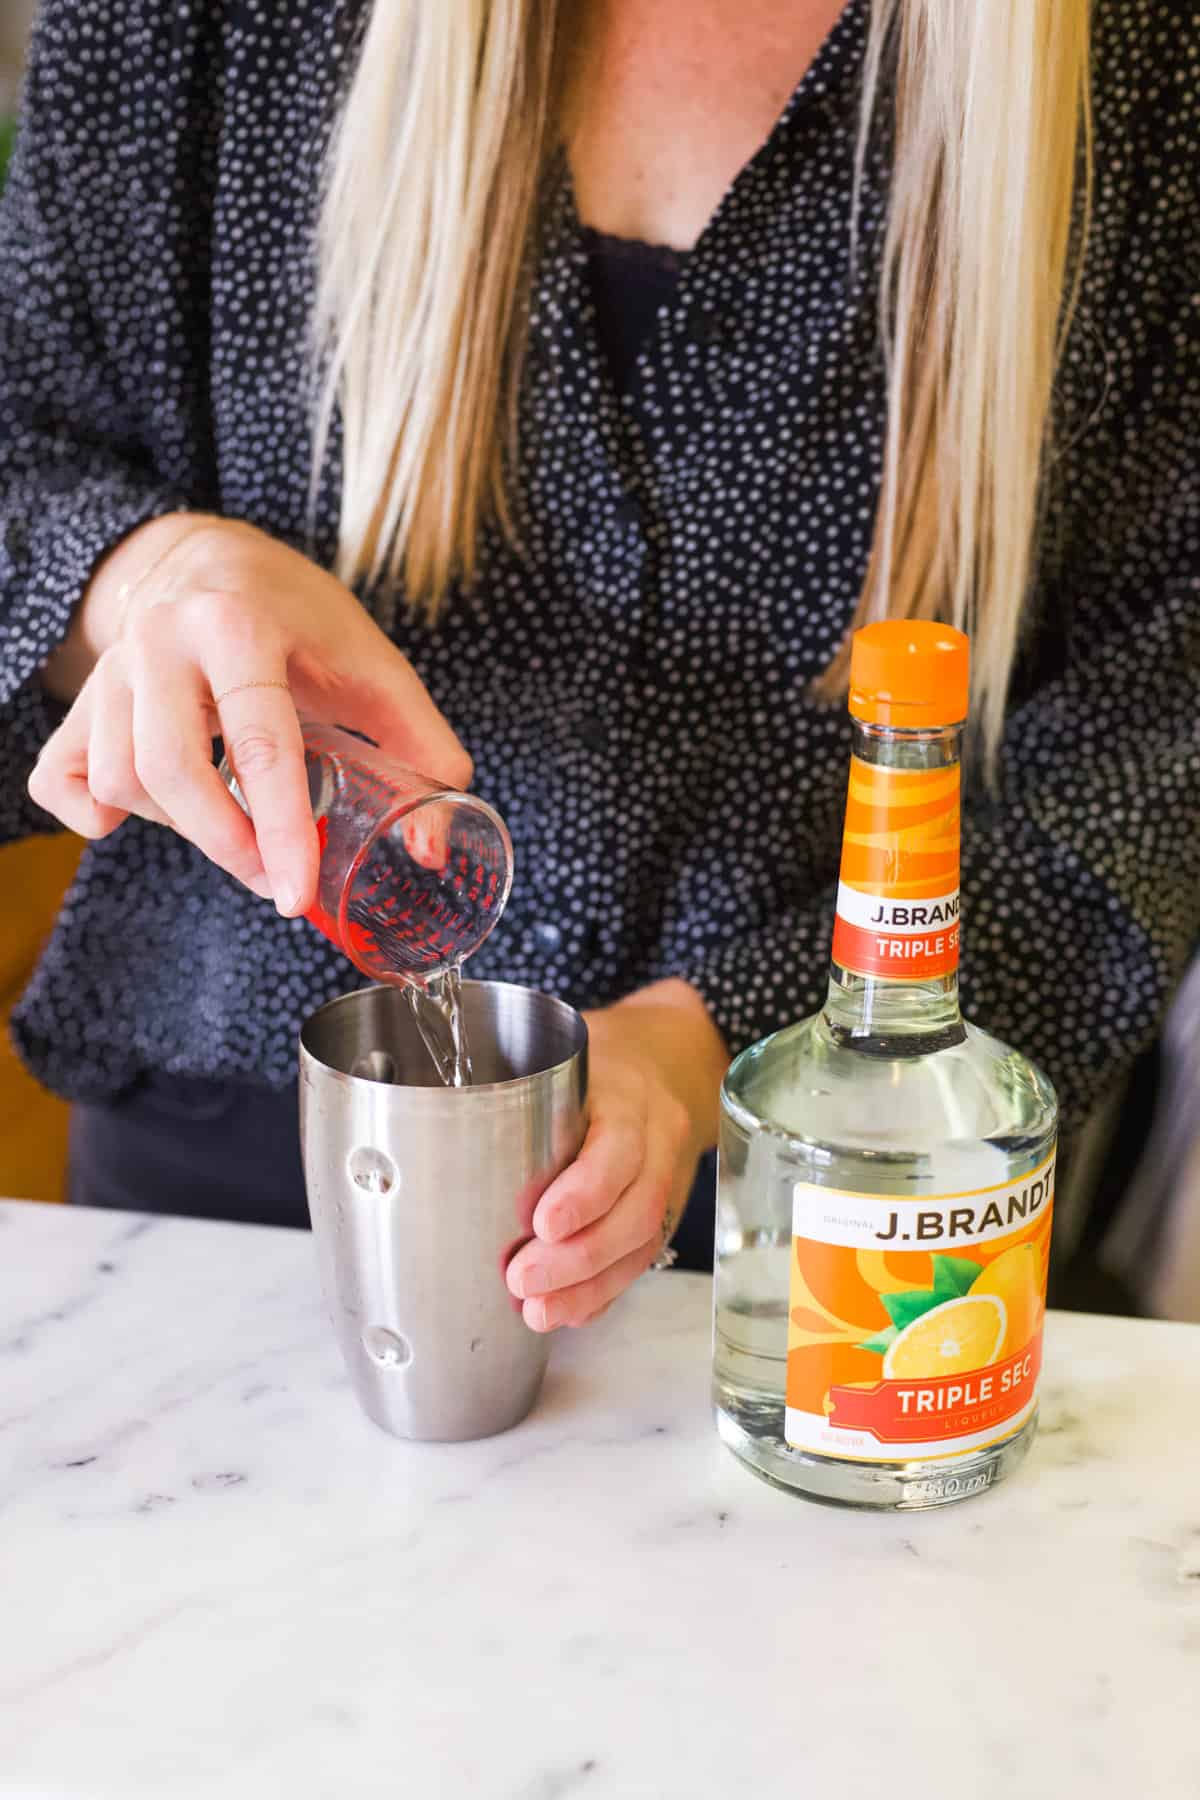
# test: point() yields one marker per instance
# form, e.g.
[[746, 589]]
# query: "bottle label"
[[915, 1321], [897, 906]]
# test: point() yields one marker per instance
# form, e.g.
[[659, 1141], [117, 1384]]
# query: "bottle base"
[[878, 1487]]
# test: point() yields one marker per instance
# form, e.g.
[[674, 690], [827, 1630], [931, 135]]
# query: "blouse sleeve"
[[76, 475], [1081, 871]]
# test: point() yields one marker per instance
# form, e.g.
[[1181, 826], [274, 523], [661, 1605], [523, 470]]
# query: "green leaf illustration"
[[902, 1309], [953, 1276], [881, 1343]]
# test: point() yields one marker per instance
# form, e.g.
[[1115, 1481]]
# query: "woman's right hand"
[[197, 627]]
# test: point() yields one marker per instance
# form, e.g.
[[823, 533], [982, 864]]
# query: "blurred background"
[[1128, 1222], [14, 30], [33, 875]]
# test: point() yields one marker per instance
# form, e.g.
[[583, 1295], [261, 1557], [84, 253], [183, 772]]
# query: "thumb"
[[392, 705]]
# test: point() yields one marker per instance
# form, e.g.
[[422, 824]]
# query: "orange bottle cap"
[[911, 673]]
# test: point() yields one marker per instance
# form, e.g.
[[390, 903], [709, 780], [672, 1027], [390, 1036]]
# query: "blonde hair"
[[430, 201], [428, 209]]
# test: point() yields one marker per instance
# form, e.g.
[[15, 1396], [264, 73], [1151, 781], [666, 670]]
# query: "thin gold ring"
[[243, 687]]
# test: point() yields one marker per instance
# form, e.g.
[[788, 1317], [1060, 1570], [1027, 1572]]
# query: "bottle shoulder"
[[805, 1083]]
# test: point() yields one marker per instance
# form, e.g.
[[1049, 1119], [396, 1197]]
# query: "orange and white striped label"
[[897, 907]]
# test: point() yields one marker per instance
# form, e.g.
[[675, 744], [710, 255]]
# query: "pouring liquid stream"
[[395, 913], [436, 1002]]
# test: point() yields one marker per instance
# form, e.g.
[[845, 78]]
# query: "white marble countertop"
[[217, 1579]]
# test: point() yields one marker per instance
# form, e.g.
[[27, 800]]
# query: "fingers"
[[571, 1281], [183, 657], [111, 774], [59, 782], [172, 756], [266, 751], [635, 1219], [426, 833], [612, 1155], [393, 706], [131, 745], [580, 1305], [248, 615]]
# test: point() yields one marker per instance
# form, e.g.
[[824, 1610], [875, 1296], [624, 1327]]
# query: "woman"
[[655, 343]]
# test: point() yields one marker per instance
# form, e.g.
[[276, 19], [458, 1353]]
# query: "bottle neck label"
[[897, 907]]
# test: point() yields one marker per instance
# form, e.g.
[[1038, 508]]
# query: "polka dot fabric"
[[632, 677]]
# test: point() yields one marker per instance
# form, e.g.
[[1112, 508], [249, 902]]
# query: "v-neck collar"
[[839, 55], [562, 289]]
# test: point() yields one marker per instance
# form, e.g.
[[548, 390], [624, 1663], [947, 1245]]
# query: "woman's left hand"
[[655, 1065]]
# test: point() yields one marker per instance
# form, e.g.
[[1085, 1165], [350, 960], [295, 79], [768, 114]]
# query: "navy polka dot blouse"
[[633, 681]]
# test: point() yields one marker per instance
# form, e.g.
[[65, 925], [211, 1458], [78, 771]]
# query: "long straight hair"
[[432, 183], [428, 210]]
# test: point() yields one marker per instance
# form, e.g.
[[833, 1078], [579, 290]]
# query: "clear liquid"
[[805, 1105], [436, 1002]]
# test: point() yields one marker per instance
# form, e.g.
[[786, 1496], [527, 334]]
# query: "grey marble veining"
[[217, 1579]]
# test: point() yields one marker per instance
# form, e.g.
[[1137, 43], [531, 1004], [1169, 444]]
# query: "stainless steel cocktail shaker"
[[421, 1193]]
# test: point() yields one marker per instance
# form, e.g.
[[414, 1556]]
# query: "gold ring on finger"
[[243, 687]]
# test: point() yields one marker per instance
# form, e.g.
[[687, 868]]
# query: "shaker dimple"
[[372, 1170], [387, 1348]]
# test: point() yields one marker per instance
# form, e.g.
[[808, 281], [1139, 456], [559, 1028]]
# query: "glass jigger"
[[413, 875]]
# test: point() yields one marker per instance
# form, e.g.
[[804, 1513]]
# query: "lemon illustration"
[[1014, 1277], [951, 1339]]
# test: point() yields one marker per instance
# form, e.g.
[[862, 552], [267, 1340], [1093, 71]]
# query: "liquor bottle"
[[886, 1170]]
